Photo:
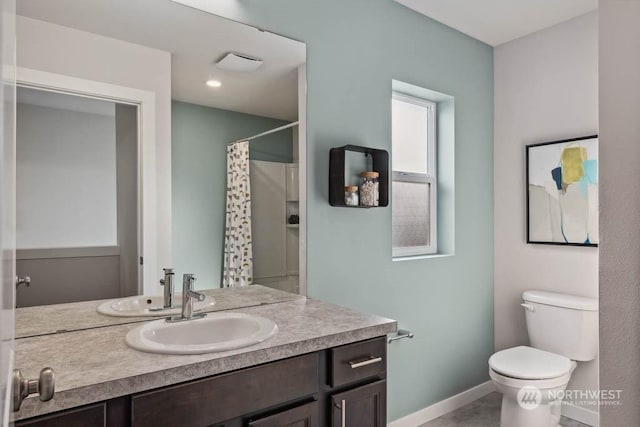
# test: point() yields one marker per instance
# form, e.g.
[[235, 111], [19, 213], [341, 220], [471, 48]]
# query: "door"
[[7, 202], [364, 406]]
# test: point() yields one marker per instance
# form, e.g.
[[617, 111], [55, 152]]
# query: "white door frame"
[[302, 176], [7, 204], [147, 194]]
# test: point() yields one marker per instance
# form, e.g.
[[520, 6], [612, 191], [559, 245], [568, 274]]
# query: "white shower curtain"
[[238, 252]]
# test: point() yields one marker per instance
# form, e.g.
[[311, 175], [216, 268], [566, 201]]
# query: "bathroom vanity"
[[325, 366]]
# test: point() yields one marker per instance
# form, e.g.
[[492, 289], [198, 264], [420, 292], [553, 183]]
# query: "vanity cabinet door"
[[300, 416], [228, 396], [364, 406], [89, 416]]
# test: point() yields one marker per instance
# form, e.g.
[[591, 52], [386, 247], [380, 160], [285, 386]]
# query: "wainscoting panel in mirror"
[[228, 82]]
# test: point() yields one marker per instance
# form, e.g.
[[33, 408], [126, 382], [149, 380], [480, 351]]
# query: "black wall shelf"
[[380, 164]]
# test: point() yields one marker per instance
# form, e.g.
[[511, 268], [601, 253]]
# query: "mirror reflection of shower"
[[262, 210]]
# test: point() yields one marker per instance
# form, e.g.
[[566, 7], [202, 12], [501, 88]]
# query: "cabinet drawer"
[[89, 416], [300, 416], [354, 362], [212, 400]]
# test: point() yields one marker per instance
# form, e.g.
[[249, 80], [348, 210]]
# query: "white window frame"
[[430, 177]]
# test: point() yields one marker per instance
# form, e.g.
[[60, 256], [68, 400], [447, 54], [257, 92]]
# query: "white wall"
[[619, 66], [546, 89], [56, 49], [66, 178]]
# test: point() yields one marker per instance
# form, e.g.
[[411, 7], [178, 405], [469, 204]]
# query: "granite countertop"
[[96, 364], [57, 318]]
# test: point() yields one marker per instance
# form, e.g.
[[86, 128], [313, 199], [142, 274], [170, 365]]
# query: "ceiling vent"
[[239, 63]]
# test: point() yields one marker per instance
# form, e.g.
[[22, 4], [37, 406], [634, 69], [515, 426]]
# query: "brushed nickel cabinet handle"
[[369, 361], [343, 412]]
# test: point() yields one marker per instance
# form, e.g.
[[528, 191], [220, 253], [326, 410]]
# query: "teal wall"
[[198, 149], [354, 49]]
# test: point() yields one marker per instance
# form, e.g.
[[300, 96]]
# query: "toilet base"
[[545, 415]]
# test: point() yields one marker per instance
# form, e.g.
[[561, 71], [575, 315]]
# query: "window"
[[413, 176]]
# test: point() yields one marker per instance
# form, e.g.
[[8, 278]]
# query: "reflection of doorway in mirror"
[[76, 197]]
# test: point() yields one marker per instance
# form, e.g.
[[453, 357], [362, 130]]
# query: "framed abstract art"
[[562, 192]]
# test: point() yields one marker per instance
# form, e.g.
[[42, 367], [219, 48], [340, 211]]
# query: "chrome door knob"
[[24, 280], [45, 386]]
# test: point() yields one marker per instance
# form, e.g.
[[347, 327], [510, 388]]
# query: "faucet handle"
[[196, 295], [188, 281]]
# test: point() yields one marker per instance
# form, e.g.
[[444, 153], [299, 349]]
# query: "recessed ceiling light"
[[214, 83]]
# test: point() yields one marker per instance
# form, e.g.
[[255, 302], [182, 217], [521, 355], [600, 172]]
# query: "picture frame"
[[562, 192]]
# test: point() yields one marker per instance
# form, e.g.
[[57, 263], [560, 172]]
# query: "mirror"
[[154, 195]]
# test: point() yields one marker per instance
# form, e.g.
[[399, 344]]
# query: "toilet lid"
[[529, 363]]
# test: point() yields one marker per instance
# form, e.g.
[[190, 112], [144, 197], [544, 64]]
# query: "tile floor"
[[483, 412]]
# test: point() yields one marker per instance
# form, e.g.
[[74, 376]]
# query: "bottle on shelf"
[[369, 188], [351, 195]]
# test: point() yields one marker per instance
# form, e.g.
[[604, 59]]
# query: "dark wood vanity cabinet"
[[359, 388], [340, 387]]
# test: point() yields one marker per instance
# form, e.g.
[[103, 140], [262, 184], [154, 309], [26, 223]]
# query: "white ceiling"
[[499, 21], [196, 40]]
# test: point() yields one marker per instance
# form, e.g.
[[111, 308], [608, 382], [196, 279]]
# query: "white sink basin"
[[149, 306], [216, 332]]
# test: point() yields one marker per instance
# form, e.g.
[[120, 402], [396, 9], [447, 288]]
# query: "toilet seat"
[[518, 383], [528, 363]]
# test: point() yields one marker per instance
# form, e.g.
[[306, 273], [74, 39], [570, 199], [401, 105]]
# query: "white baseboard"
[[444, 407], [580, 414]]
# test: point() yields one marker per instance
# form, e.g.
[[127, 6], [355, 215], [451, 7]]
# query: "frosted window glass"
[[411, 214], [409, 137]]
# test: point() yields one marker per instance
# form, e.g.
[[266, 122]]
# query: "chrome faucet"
[[188, 295], [167, 282]]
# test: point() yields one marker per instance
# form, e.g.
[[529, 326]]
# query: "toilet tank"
[[562, 324]]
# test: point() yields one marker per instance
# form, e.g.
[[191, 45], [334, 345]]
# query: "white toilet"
[[563, 329]]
